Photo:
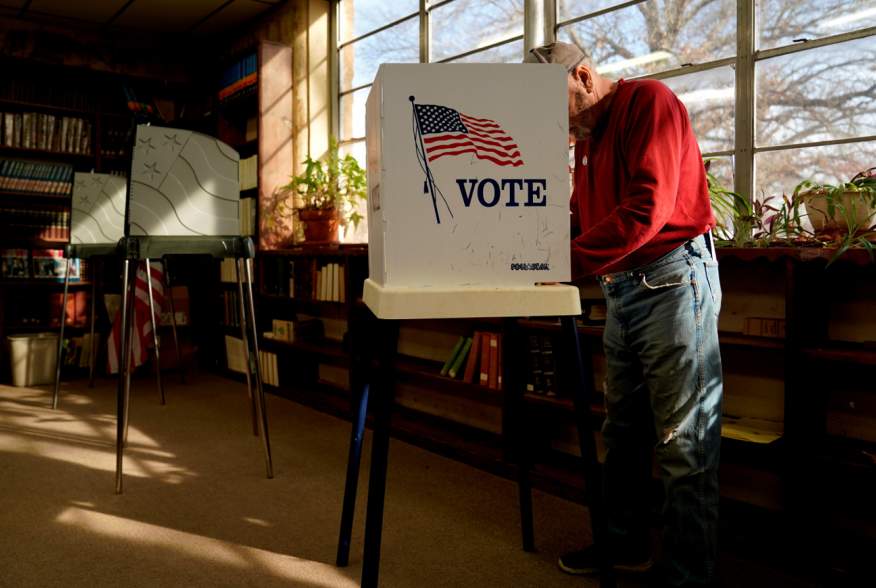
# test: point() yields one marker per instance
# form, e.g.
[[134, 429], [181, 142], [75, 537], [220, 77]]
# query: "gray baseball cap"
[[565, 54]]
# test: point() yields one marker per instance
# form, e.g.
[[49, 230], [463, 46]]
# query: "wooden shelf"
[[21, 106], [859, 354], [739, 340], [756, 431], [325, 347], [13, 242], [337, 310], [35, 328], [856, 256], [31, 282], [420, 370], [44, 154], [338, 250], [43, 197]]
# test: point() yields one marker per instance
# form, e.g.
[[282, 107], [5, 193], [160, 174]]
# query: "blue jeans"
[[663, 391]]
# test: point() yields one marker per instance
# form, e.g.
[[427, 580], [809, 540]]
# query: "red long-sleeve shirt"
[[639, 185]]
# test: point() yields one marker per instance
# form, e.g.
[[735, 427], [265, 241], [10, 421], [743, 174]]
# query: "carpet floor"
[[197, 509]]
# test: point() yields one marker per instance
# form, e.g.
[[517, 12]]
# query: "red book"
[[499, 361], [484, 378], [473, 355], [494, 361]]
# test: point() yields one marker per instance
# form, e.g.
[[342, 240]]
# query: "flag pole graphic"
[[424, 163]]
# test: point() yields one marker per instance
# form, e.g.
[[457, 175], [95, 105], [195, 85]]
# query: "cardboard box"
[[468, 181]]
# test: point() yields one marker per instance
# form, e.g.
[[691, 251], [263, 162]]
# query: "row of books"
[[46, 132], [541, 366], [228, 271], [476, 359], [248, 207], [285, 330], [249, 172], [328, 283], [46, 225], [34, 176], [238, 76], [46, 90], [39, 263], [308, 280], [236, 360], [114, 141], [231, 306]]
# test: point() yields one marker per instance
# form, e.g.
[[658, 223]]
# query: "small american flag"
[[446, 131], [141, 340]]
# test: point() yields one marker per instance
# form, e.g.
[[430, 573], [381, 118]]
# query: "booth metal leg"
[[360, 411], [583, 386], [514, 378], [169, 291], [154, 331], [60, 361], [243, 337], [92, 353], [124, 389], [384, 395], [255, 362]]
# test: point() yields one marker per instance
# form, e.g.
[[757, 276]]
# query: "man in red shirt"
[[641, 220]]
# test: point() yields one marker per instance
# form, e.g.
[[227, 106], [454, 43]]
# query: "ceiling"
[[154, 16]]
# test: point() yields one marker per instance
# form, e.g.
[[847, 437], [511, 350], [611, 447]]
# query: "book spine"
[[474, 353], [484, 373], [452, 357], [494, 361], [460, 358]]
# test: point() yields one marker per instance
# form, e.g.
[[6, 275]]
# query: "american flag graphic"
[[446, 131], [141, 336]]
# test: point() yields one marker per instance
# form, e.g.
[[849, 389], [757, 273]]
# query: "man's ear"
[[583, 74]]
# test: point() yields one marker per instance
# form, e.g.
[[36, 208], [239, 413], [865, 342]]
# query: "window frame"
[[542, 24]]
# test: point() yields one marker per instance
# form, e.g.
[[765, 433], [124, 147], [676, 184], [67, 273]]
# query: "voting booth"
[[468, 216], [468, 175], [98, 209], [183, 183]]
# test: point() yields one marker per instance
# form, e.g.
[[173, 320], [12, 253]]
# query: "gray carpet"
[[197, 508]]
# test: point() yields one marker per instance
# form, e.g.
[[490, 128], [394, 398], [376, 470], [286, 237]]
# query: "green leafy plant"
[[331, 183], [734, 214], [843, 216]]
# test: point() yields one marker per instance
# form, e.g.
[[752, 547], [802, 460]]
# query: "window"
[[803, 72], [371, 32]]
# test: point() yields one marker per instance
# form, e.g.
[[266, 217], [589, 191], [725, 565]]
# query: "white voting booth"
[[98, 209], [468, 212], [468, 189], [183, 183]]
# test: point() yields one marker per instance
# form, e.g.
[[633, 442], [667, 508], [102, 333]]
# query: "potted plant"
[[324, 195], [847, 208], [734, 215]]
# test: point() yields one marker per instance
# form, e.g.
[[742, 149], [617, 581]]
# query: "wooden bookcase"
[[799, 410], [57, 120]]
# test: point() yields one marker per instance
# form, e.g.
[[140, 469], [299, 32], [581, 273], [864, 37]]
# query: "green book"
[[459, 343], [460, 358]]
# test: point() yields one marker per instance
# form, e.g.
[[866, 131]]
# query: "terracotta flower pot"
[[320, 226]]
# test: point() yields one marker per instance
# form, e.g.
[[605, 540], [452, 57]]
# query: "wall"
[[303, 25]]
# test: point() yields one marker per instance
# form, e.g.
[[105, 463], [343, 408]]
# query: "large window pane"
[[359, 61], [464, 25], [778, 172], [353, 114], [710, 98], [656, 35], [567, 9], [358, 234], [816, 95], [779, 22], [507, 53], [358, 17]]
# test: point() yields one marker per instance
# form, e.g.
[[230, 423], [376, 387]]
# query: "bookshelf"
[[773, 443], [54, 121]]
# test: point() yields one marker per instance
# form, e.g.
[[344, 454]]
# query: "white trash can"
[[33, 358]]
